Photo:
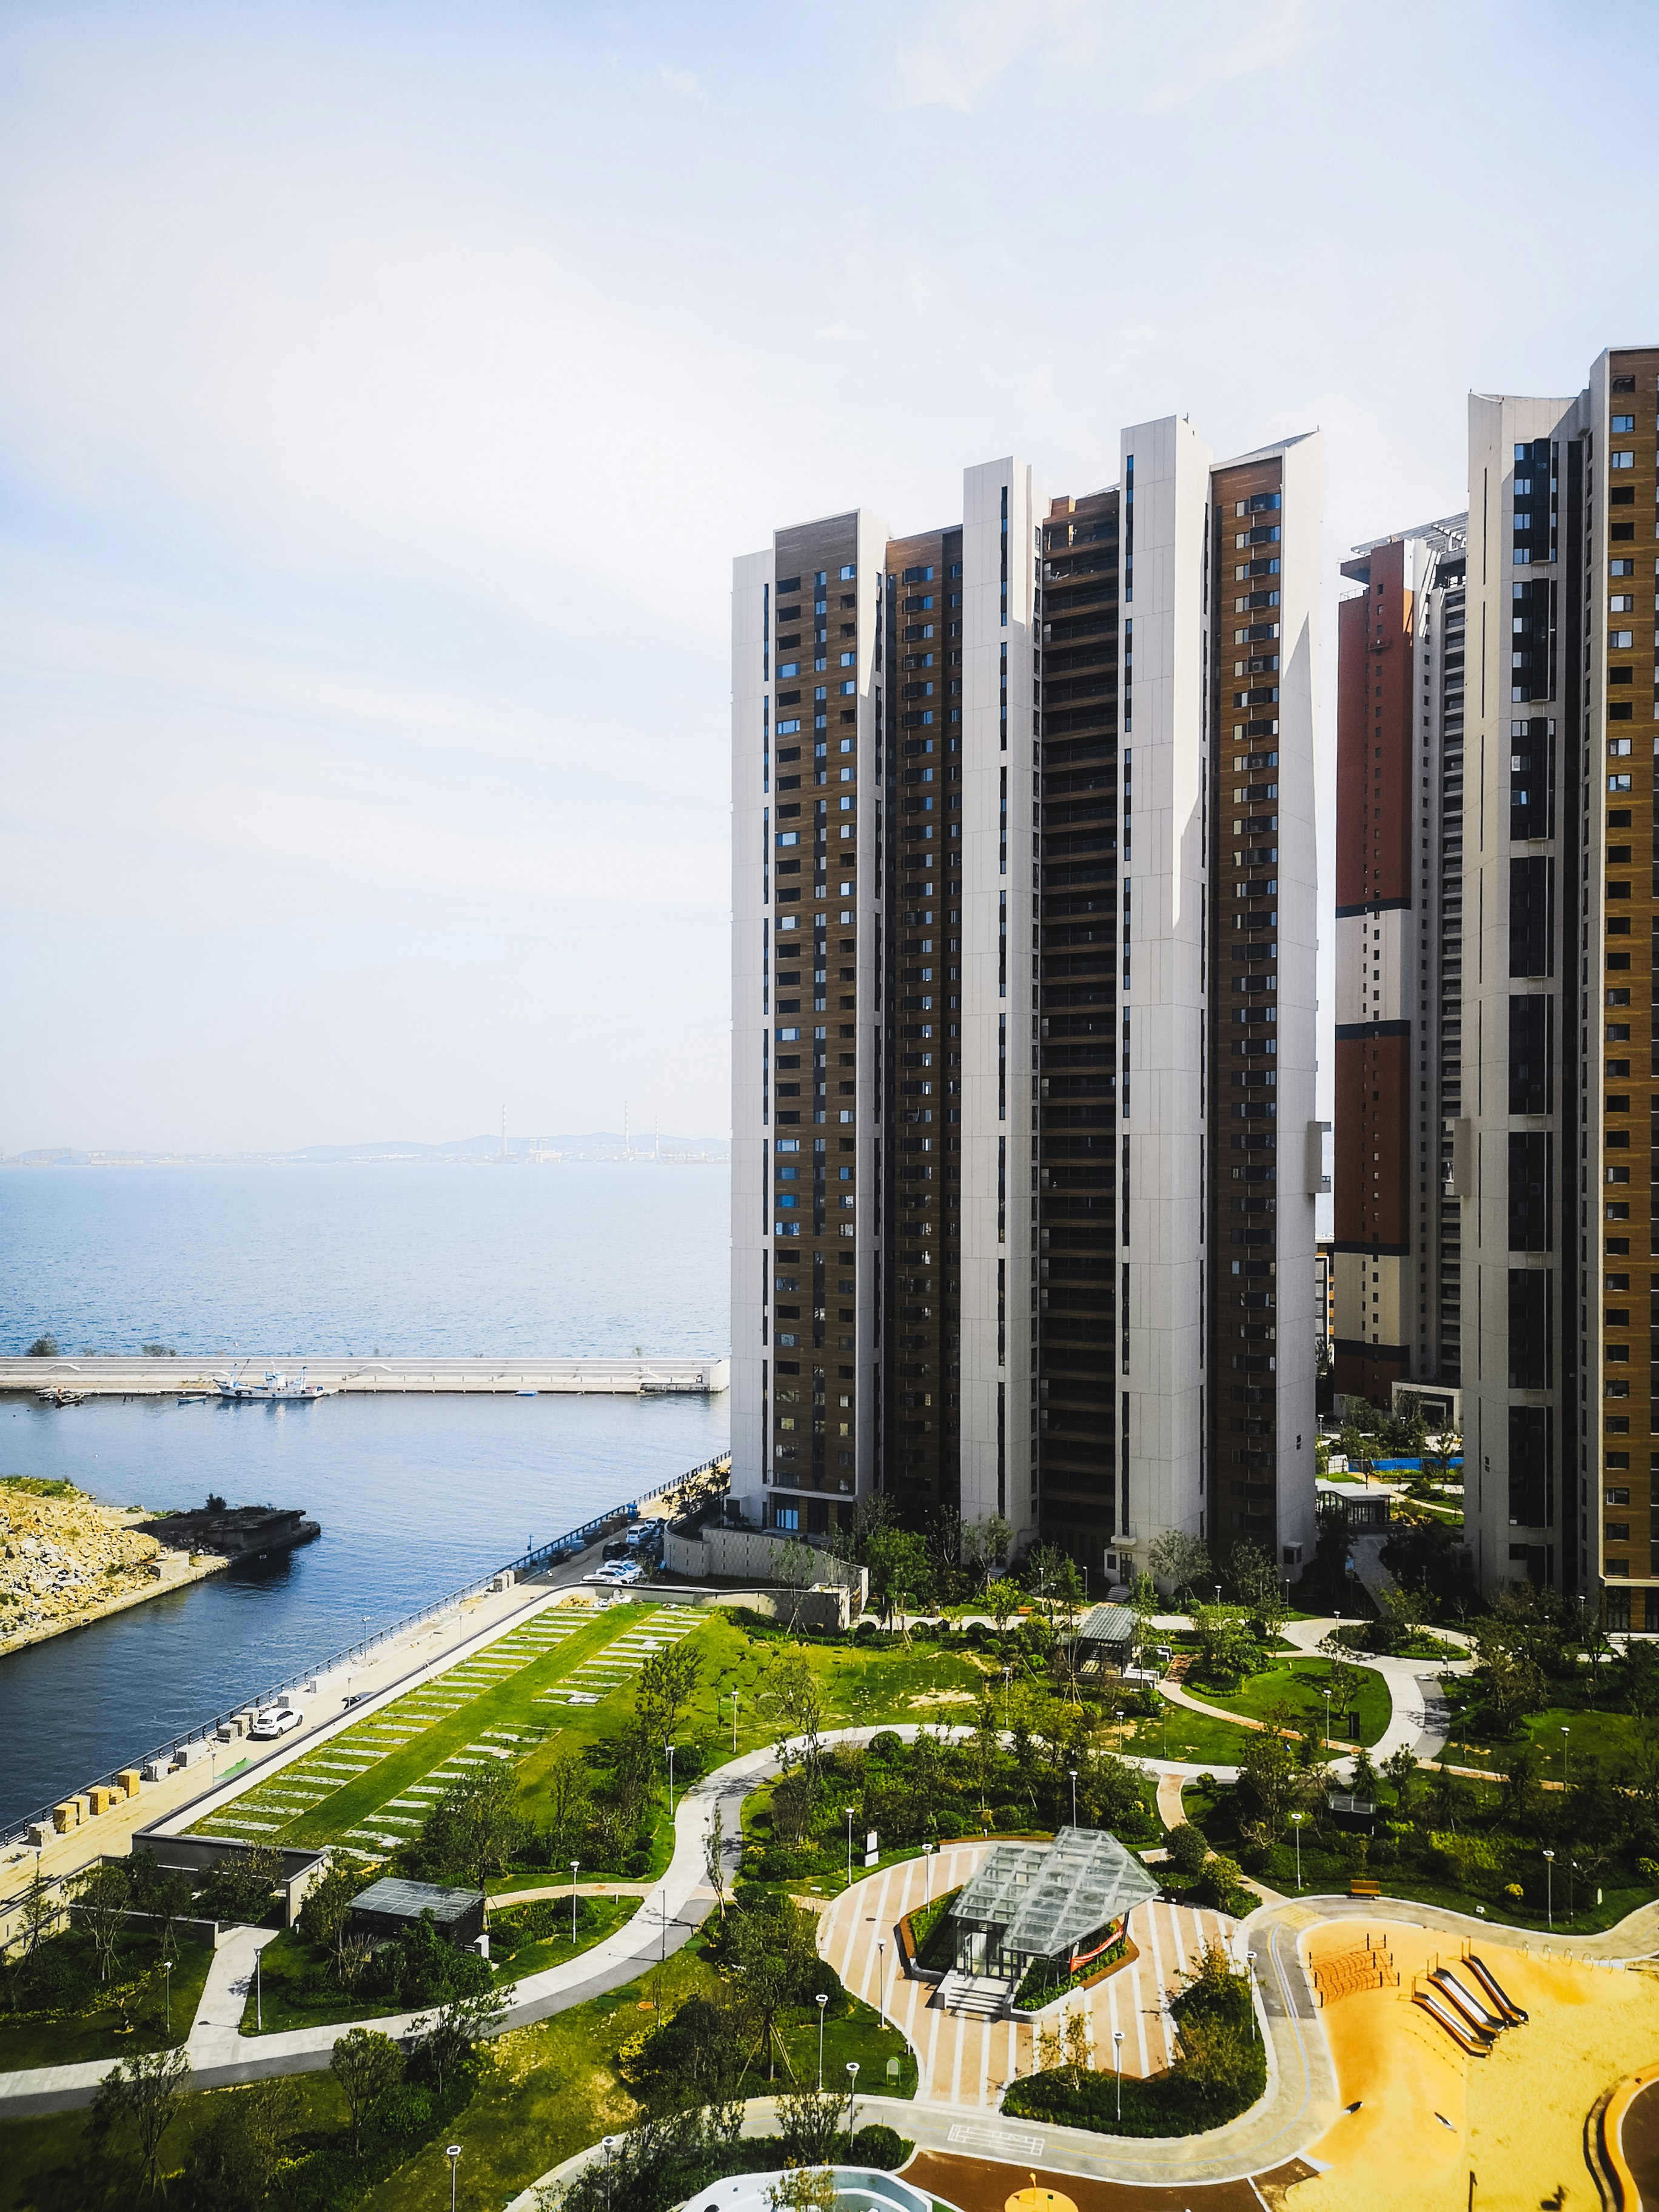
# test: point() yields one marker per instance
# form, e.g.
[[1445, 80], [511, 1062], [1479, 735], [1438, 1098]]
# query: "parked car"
[[275, 1720], [618, 1571], [618, 1548]]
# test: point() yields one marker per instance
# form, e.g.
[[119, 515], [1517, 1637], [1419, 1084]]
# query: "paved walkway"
[[964, 2060]]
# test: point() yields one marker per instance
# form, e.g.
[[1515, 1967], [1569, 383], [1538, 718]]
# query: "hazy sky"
[[385, 389]]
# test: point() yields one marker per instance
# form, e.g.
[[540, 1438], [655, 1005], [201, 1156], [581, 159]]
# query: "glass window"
[[1624, 423], [1626, 460]]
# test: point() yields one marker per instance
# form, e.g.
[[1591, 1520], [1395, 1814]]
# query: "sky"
[[385, 387]]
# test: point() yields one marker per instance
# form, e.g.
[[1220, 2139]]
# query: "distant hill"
[[593, 1145]]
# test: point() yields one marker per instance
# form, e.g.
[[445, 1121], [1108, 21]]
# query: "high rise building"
[[1024, 943], [1400, 657], [1559, 872], [1501, 1046]]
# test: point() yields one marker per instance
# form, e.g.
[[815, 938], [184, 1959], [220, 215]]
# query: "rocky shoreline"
[[66, 1561]]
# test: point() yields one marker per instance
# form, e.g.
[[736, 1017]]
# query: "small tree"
[[140, 2098], [475, 1828], [1179, 1560], [667, 1682], [239, 1888], [792, 1690], [44, 1347], [368, 2066], [103, 1898], [713, 1859], [449, 2038], [794, 1567], [40, 1908], [811, 2122], [325, 1915], [803, 2189]]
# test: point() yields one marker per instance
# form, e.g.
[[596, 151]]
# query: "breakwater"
[[94, 1376]]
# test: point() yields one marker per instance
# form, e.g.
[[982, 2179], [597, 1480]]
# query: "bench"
[[1361, 1887]]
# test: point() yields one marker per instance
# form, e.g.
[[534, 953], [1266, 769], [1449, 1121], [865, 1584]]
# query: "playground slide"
[[1454, 2027], [1489, 2024], [1489, 1982]]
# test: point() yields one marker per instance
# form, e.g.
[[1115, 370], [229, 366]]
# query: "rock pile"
[[65, 1559]]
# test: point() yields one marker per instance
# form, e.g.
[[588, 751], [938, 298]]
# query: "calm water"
[[563, 1261], [415, 1496]]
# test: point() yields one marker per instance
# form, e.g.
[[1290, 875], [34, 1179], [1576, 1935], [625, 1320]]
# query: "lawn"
[[93, 2028], [1614, 1739], [370, 1784], [296, 1991], [1297, 1684], [1174, 1732]]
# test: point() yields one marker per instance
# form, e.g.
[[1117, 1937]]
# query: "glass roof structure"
[[1044, 1900]]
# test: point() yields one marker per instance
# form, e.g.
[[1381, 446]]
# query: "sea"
[[416, 1497]]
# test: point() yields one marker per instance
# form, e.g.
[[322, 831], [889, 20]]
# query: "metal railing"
[[526, 1565]]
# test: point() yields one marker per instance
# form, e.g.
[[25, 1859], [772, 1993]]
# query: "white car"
[[619, 1572], [275, 1720]]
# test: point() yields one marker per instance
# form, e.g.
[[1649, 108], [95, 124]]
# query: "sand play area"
[[1429, 2115]]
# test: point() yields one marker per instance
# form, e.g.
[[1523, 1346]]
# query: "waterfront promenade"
[[98, 1375]]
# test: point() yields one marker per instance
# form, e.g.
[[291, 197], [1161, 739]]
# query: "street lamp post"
[[166, 1969], [662, 1907], [1249, 1960], [1007, 1683], [734, 1695], [671, 1749], [1327, 1718], [881, 1977], [575, 1864], [1563, 1758], [258, 1992], [1072, 1770], [1117, 2066], [927, 1850], [1297, 1819], [852, 2094], [850, 1810], [453, 2152], [610, 2142], [821, 2002], [1549, 1891]]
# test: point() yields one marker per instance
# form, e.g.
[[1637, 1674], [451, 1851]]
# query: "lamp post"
[[662, 1907], [1218, 1593], [881, 1977], [1007, 1684], [1072, 1770], [258, 1992], [1249, 1961], [453, 2152], [1327, 1718], [852, 2093], [927, 1850], [671, 1749], [1563, 1758], [166, 1970], [1297, 1819], [1117, 2066], [610, 2142], [849, 1811], [734, 1696], [575, 1864], [821, 2002], [1549, 1891]]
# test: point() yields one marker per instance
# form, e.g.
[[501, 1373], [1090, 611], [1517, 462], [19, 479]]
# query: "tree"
[[103, 1898], [985, 1547], [1179, 1560], [368, 2066], [567, 1795], [1256, 1585], [795, 1566], [901, 1571], [239, 1888], [1400, 1767], [447, 2040], [1267, 1775], [1052, 1577], [1005, 1603], [791, 1691], [140, 2098], [166, 1898], [475, 1829], [326, 1914], [40, 1907], [1228, 1653], [236, 2159], [812, 2123], [44, 1347], [803, 2188], [667, 1682], [713, 1856]]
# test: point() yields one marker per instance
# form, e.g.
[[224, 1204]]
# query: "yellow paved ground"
[[1430, 2115], [964, 2061]]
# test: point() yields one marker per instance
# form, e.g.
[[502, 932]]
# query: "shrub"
[[1189, 1849], [880, 2146], [887, 1744]]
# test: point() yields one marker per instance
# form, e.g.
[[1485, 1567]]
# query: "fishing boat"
[[277, 1388]]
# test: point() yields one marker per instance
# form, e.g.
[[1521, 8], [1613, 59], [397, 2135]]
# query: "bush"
[[1189, 1849], [887, 1744], [881, 2147]]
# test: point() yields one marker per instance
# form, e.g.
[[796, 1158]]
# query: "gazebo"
[[1066, 1905]]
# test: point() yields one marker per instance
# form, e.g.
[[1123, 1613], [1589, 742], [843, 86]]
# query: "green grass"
[[296, 1994], [408, 1741], [1193, 1737], [93, 2031], [1612, 1738], [1295, 1684]]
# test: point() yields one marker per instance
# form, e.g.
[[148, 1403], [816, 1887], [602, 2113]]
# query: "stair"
[[980, 1996]]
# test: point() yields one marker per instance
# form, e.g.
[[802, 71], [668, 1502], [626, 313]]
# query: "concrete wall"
[[830, 1607], [737, 1554]]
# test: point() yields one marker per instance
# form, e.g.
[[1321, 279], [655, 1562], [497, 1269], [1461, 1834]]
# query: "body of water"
[[415, 1496]]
